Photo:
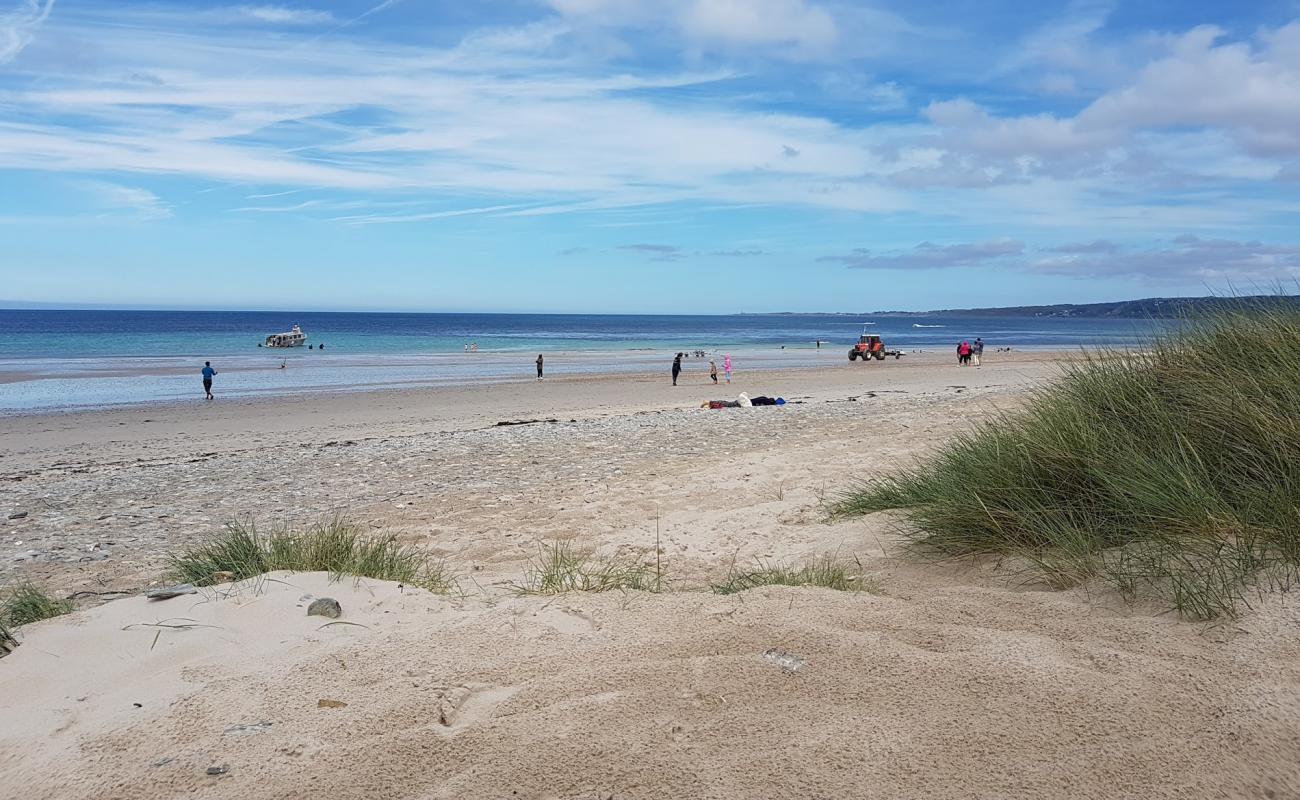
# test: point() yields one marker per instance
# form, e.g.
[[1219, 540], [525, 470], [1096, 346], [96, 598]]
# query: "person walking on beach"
[[726, 367], [677, 367], [977, 350], [713, 371], [539, 366], [963, 353], [208, 372]]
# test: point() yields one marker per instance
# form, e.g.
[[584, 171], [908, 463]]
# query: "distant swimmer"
[[208, 373]]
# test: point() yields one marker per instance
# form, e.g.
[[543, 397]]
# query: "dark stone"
[[325, 607]]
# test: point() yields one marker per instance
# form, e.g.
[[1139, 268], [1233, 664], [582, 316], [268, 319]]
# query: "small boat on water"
[[293, 338]]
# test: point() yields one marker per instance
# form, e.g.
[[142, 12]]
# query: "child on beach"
[[726, 367], [713, 371]]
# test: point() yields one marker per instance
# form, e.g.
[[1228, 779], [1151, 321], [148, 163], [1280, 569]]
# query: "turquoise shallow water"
[[77, 359]]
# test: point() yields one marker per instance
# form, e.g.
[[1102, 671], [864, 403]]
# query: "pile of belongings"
[[745, 401]]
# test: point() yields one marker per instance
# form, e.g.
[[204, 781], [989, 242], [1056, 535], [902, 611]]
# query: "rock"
[[168, 592], [325, 607], [325, 702], [221, 770], [223, 577], [18, 515]]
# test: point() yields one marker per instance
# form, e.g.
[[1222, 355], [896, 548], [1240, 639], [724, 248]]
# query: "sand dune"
[[925, 691]]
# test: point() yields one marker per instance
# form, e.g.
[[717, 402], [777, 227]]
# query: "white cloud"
[[1253, 91], [283, 15], [141, 203], [18, 27]]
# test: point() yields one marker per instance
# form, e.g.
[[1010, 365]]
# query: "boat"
[[293, 338]]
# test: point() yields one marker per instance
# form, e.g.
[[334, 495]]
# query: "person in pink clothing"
[[726, 367]]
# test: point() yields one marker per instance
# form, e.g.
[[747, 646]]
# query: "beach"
[[937, 679]]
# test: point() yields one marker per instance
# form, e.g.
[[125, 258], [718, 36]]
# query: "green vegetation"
[[27, 603], [829, 572], [338, 547], [559, 568], [1173, 473]]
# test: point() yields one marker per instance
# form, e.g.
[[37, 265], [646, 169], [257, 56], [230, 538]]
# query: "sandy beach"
[[943, 680]]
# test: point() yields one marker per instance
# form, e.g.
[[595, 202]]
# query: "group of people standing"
[[970, 352]]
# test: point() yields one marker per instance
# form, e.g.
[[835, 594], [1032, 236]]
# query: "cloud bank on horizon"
[[609, 154]]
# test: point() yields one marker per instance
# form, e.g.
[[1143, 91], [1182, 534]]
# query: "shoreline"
[[590, 366]]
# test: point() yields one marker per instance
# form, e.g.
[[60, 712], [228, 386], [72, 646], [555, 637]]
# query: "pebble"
[[121, 500]]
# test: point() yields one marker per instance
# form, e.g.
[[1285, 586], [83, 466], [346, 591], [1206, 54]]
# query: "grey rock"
[[168, 592], [221, 770], [18, 515], [325, 607]]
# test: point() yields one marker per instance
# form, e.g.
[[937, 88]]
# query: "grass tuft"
[[338, 547], [27, 603], [829, 572], [559, 568], [1172, 473]]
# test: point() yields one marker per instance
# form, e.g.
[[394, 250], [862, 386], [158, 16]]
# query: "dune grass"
[[27, 603], [1173, 472], [559, 568], [829, 572], [338, 547]]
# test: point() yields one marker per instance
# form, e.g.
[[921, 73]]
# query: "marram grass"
[[338, 547], [26, 603], [559, 569], [1172, 472], [829, 572]]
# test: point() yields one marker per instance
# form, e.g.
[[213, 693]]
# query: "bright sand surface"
[[946, 680]]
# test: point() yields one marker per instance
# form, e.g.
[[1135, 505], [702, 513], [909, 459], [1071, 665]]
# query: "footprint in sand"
[[461, 707]]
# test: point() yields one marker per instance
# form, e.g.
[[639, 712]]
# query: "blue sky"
[[636, 156]]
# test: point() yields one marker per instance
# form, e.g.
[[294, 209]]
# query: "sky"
[[657, 156]]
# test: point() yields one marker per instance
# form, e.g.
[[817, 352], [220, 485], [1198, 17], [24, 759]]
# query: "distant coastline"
[[1146, 308]]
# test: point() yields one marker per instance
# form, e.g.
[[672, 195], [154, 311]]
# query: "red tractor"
[[870, 346]]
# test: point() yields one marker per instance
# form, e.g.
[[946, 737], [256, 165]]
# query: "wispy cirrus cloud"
[[18, 27], [140, 203], [282, 15]]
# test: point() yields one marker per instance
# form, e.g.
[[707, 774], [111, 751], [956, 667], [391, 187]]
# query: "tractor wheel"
[[853, 355]]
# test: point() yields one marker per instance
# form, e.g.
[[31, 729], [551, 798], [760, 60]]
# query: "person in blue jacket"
[[208, 372]]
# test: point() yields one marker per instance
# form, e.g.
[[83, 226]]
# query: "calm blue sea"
[[69, 359]]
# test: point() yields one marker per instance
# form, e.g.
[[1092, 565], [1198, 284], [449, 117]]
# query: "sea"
[[51, 360]]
